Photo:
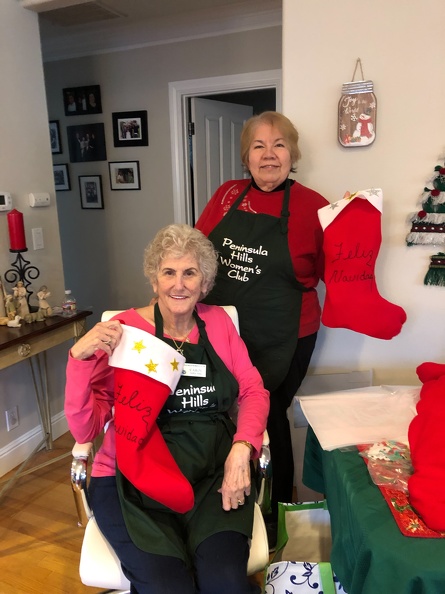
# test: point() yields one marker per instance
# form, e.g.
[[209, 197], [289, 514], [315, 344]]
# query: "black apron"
[[255, 274], [199, 433]]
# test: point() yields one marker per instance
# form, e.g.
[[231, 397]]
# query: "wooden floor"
[[39, 538]]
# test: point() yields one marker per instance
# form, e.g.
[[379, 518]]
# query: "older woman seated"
[[171, 484]]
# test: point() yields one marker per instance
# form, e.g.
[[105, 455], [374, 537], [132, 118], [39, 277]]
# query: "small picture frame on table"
[[54, 135], [91, 191], [130, 128], [124, 175], [61, 177]]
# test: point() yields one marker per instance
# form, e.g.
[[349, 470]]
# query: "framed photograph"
[[82, 100], [124, 175], [130, 128], [87, 143], [91, 191], [54, 135], [61, 177]]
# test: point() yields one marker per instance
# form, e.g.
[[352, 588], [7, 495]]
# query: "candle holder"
[[22, 270]]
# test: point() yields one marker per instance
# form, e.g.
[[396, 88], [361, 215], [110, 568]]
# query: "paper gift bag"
[[301, 563]]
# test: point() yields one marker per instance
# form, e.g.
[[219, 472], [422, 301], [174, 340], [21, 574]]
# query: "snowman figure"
[[364, 130]]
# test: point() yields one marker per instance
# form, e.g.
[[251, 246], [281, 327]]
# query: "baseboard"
[[18, 450]]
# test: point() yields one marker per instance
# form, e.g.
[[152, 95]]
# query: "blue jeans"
[[219, 562]]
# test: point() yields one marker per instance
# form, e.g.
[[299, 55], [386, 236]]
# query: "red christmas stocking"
[[426, 439], [352, 238], [146, 372]]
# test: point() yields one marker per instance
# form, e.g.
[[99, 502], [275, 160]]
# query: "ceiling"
[[71, 28]]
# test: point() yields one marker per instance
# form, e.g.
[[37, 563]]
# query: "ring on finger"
[[240, 502], [107, 341]]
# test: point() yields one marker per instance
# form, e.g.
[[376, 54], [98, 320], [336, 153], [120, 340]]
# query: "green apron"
[[199, 433], [255, 274]]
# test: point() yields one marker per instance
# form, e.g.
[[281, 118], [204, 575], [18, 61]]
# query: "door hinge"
[[191, 128]]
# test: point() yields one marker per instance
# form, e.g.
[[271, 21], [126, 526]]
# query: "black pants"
[[278, 426], [219, 563]]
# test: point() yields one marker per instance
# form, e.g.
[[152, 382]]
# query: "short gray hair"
[[175, 241]]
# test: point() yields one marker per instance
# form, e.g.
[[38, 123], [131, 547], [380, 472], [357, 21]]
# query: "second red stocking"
[[351, 243]]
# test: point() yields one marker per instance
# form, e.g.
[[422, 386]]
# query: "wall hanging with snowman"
[[357, 110]]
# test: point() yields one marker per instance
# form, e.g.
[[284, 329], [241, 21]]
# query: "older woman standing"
[[204, 546], [269, 239]]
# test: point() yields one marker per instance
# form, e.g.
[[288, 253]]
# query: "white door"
[[215, 147]]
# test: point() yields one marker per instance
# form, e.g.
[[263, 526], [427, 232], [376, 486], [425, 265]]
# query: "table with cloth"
[[369, 553]]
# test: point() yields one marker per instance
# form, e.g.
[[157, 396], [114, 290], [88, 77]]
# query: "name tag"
[[194, 370]]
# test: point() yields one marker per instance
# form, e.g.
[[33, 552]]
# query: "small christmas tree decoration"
[[436, 271], [428, 224]]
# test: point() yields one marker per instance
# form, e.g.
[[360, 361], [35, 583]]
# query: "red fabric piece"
[[351, 246], [409, 523], [425, 434], [141, 452]]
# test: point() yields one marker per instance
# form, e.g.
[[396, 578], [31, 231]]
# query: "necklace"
[[179, 348]]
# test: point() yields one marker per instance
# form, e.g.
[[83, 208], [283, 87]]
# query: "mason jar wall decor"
[[357, 111]]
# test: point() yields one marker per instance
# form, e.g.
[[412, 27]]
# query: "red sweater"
[[305, 235]]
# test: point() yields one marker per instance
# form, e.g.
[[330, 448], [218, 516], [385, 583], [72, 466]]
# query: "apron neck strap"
[[284, 215]]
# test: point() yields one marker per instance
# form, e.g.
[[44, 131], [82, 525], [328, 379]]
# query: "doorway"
[[214, 127], [244, 87]]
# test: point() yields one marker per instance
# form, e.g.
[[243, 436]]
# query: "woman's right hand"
[[103, 336]]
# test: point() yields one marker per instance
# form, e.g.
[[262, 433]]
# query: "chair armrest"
[[79, 475]]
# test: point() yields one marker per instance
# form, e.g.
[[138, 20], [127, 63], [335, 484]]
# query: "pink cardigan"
[[89, 392]]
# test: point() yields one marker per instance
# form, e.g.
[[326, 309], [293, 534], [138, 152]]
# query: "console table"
[[30, 342]]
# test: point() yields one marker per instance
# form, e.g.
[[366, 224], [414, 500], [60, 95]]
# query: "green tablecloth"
[[369, 553]]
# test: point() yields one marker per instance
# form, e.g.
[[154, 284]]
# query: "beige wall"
[[103, 263], [26, 166], [401, 47]]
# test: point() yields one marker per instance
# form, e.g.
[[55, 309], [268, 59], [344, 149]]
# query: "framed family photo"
[[124, 175], [61, 177], [87, 143], [54, 135], [82, 100], [91, 191], [130, 128]]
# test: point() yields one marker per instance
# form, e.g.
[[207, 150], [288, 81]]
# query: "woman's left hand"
[[236, 482]]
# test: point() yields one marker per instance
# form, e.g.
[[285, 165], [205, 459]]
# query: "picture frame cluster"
[[85, 143]]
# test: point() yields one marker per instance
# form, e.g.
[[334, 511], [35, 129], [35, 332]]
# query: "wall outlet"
[[12, 418]]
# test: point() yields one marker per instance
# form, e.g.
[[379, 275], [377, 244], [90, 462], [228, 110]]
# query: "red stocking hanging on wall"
[[351, 243]]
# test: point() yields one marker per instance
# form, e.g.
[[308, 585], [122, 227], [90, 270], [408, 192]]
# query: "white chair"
[[99, 564]]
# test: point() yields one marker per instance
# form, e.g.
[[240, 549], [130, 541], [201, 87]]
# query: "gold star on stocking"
[[151, 366], [175, 365], [138, 346]]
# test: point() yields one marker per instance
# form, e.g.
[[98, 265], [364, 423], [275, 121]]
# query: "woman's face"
[[179, 285], [269, 159]]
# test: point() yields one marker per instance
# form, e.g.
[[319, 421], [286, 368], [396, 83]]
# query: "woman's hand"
[[236, 482], [103, 336]]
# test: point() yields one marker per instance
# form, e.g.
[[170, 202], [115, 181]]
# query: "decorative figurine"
[[15, 323], [10, 305], [44, 306], [20, 295]]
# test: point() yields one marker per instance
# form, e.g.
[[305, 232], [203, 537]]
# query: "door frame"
[[179, 92]]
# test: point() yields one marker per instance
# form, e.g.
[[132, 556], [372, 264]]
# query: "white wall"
[[401, 46], [26, 166]]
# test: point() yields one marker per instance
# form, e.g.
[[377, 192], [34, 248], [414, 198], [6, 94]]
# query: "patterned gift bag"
[[301, 562]]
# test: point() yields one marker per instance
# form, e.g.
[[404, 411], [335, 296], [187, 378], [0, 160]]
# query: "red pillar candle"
[[16, 229]]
